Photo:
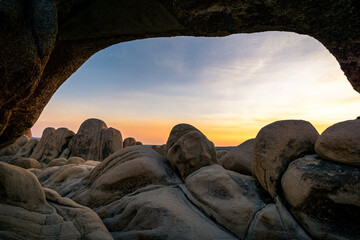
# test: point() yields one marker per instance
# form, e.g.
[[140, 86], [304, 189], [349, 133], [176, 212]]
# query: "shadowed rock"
[[124, 172], [188, 149], [278, 144], [158, 213], [231, 198], [324, 197], [28, 213], [341, 143], [130, 141], [94, 141], [239, 159], [26, 163]]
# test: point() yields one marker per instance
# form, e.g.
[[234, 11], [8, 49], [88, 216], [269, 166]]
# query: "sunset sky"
[[228, 87]]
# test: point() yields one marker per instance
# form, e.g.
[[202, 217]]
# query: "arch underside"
[[44, 42]]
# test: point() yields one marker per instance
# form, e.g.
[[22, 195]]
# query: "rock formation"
[[188, 149], [278, 144], [44, 42], [95, 141], [136, 193], [239, 159]]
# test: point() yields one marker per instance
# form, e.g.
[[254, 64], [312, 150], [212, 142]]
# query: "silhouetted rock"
[[188, 149], [341, 143], [239, 159], [130, 141], [324, 197], [52, 144], [94, 141], [278, 144]]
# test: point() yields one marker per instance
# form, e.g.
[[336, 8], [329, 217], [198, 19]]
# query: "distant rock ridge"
[[287, 183]]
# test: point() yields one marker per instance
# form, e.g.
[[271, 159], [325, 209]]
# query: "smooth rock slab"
[[123, 172], [158, 213], [341, 143], [324, 197], [239, 159], [231, 198], [278, 144]]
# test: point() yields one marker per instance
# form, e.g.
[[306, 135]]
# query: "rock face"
[[232, 199], [172, 217], [95, 141], [239, 159], [276, 145], [324, 197], [42, 45], [341, 143], [28, 213], [130, 141], [188, 149], [52, 144], [124, 172]]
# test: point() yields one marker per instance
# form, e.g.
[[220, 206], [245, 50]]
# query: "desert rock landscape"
[[287, 183]]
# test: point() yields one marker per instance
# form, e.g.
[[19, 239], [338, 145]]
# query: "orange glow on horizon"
[[156, 132]]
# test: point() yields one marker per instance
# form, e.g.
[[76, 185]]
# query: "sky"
[[228, 87]]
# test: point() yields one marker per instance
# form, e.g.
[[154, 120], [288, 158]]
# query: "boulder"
[[278, 144], [324, 197], [230, 198], [188, 150], [274, 222], [67, 180], [57, 162], [26, 163], [26, 150], [160, 149], [52, 144], [124, 172], [75, 160], [220, 153], [239, 159], [341, 143], [13, 148], [27, 212], [158, 213], [95, 141], [130, 141]]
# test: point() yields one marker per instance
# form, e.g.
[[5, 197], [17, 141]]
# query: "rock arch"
[[42, 42]]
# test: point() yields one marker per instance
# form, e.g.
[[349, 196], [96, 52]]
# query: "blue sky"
[[228, 87]]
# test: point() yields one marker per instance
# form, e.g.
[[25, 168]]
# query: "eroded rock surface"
[[324, 197], [231, 198], [28, 213], [188, 149], [239, 159], [341, 143], [158, 213], [278, 144], [124, 172]]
